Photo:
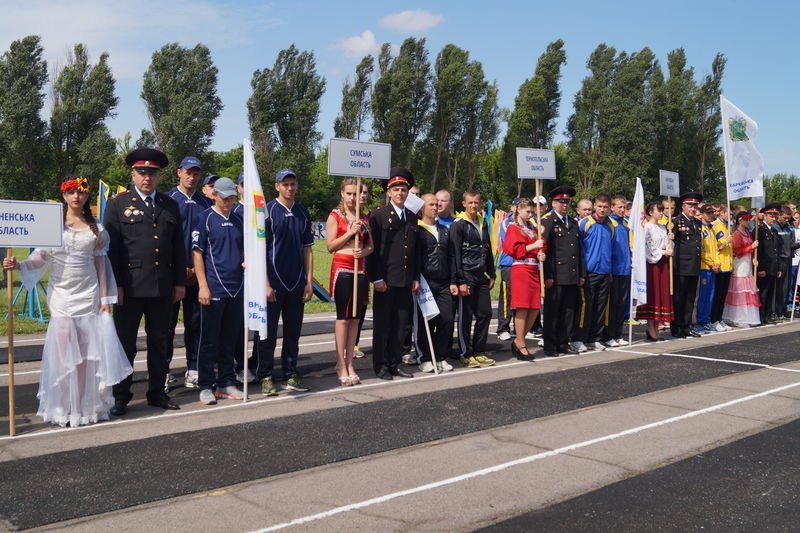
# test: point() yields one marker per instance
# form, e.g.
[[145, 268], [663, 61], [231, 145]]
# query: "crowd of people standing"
[[565, 275]]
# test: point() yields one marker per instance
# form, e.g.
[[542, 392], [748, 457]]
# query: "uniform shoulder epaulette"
[[547, 215]]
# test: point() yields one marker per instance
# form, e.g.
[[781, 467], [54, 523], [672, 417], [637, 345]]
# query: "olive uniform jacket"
[[146, 251]]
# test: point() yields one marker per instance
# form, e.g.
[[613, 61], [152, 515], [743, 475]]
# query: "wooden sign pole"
[[356, 305], [12, 430]]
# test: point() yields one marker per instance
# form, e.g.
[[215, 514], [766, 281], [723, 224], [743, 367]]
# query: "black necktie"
[[149, 201], [402, 216]]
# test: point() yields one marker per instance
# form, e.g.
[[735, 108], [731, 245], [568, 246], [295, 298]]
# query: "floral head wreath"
[[79, 184]]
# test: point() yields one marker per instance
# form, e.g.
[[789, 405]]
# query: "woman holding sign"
[[82, 356], [524, 244], [341, 229]]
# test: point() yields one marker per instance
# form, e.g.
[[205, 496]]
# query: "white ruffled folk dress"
[[82, 356]]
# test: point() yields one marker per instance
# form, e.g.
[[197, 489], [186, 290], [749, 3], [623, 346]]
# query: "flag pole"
[[246, 372], [755, 261], [794, 298], [355, 244], [430, 340], [12, 429]]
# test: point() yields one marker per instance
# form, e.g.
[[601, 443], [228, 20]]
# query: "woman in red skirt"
[[524, 244], [658, 246], [341, 229]]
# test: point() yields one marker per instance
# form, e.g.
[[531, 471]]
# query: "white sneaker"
[[358, 354], [727, 327], [719, 327], [251, 377], [191, 380], [541, 343], [231, 392], [621, 342], [611, 343], [504, 336], [446, 367], [426, 366], [596, 346], [207, 397], [578, 345], [409, 359], [530, 336]]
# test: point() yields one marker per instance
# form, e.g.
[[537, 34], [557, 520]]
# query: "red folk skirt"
[[525, 291], [659, 301]]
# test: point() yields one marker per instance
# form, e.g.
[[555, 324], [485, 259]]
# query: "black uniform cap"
[[398, 175], [146, 159], [562, 192], [690, 197]]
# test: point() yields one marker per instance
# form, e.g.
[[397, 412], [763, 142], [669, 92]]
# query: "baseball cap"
[[541, 200], [190, 162], [283, 174], [240, 179], [224, 187], [210, 179]]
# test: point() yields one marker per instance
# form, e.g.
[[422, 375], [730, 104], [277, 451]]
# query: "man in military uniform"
[[393, 271], [767, 256], [564, 272], [149, 261], [686, 270]]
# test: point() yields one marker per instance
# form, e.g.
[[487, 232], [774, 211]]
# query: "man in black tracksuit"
[[433, 258], [472, 271], [786, 248]]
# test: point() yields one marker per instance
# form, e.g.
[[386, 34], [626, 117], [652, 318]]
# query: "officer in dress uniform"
[[768, 262], [688, 242], [393, 271], [564, 272], [148, 256]]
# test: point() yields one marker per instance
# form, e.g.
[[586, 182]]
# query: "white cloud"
[[127, 36], [411, 21], [359, 45]]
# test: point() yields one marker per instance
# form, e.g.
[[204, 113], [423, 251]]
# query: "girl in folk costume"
[[742, 301], [341, 229], [524, 244], [82, 356], [658, 249]]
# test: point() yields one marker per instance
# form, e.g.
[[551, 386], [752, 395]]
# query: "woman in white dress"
[[742, 301], [82, 356]]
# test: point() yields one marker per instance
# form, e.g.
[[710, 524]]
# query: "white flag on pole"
[[744, 167], [639, 270], [255, 246], [426, 300]]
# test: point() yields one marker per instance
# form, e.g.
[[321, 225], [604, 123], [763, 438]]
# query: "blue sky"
[[760, 39]]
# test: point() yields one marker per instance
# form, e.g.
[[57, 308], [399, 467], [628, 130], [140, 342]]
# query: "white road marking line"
[[517, 462], [335, 390], [715, 360]]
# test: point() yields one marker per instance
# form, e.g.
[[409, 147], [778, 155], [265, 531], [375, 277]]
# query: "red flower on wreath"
[[79, 184]]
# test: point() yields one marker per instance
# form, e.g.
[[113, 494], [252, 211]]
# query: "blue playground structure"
[[32, 304]]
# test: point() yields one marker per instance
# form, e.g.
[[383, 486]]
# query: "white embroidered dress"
[[82, 356]]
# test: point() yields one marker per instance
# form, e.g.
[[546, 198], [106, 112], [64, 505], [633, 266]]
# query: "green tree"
[[23, 134], [532, 123], [705, 156], [229, 163], [180, 95], [82, 98], [355, 102], [782, 187], [401, 99], [283, 112]]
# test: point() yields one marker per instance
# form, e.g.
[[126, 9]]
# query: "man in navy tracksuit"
[[218, 251], [190, 203]]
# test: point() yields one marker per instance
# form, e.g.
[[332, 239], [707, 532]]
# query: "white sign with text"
[[31, 224], [670, 183], [536, 164], [347, 157]]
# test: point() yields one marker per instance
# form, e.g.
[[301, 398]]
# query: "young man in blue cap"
[[289, 276], [208, 187], [218, 251], [190, 203]]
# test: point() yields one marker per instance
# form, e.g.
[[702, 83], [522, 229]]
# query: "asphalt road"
[[336, 452]]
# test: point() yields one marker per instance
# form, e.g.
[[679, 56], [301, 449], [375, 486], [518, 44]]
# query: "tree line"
[[630, 118]]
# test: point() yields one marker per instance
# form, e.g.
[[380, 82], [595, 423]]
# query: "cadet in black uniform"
[[149, 261], [768, 262], [564, 272], [688, 240], [393, 270]]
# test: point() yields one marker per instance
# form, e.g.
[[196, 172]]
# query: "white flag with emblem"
[[744, 167], [639, 270], [255, 246]]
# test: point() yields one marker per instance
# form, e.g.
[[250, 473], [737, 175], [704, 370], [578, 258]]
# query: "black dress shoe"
[[567, 349], [383, 373], [550, 354], [164, 402], [402, 373], [119, 409]]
